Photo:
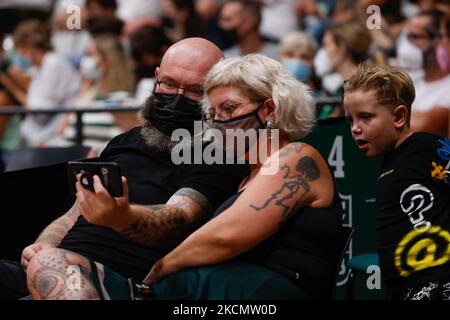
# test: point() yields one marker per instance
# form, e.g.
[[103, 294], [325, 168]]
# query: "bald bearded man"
[[162, 202]]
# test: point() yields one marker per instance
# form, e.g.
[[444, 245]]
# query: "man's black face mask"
[[168, 112]]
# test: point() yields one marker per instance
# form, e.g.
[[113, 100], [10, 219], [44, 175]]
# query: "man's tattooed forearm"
[[55, 232], [196, 197], [164, 226], [58, 229], [306, 171]]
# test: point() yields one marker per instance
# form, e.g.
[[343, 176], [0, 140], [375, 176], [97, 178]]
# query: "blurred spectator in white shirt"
[[278, 18]]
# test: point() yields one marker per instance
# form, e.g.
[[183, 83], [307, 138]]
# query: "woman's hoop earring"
[[269, 127]]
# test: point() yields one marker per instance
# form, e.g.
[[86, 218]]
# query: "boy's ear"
[[400, 114]]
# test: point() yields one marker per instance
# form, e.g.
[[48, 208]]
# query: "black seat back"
[[347, 234], [31, 199], [37, 157]]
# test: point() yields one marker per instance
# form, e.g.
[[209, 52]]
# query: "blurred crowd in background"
[[91, 53]]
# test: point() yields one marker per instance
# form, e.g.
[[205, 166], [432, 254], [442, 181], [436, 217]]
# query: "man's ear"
[[157, 73], [400, 114]]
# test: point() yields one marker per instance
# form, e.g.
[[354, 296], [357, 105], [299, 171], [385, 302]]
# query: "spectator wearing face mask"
[[345, 46], [443, 48], [107, 79], [296, 52], [72, 42], [443, 53], [54, 84], [180, 20], [241, 20], [148, 45], [430, 108], [416, 41]]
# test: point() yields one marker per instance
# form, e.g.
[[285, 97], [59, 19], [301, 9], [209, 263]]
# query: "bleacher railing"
[[79, 111]]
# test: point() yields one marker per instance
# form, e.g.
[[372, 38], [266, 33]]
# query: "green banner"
[[356, 177]]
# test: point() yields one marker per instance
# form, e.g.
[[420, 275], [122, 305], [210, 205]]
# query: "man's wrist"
[[130, 216]]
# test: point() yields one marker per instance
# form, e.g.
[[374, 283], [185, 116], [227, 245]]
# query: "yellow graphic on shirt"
[[438, 173], [421, 250]]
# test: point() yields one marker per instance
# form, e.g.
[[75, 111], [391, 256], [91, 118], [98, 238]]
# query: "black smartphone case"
[[108, 172]]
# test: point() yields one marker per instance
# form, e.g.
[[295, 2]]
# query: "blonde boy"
[[413, 192]]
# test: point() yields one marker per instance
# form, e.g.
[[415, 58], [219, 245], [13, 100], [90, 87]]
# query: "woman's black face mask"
[[249, 121], [168, 112]]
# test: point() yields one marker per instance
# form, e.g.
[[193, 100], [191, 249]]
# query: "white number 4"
[[336, 159]]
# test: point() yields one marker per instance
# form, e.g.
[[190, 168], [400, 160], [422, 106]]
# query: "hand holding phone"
[[108, 172]]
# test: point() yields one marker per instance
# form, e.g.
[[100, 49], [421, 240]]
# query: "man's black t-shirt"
[[152, 179], [413, 199]]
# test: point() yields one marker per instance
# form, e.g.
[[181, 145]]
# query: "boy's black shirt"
[[413, 199]]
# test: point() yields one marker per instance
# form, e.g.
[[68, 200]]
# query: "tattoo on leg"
[[49, 283], [306, 171], [57, 279]]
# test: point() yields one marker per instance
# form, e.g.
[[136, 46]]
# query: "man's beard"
[[153, 137]]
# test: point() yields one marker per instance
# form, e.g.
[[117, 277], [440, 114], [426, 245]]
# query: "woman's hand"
[[156, 273], [101, 209]]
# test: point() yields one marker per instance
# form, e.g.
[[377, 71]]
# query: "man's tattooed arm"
[[58, 229], [295, 185], [169, 224]]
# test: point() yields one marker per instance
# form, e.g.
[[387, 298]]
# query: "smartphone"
[[108, 172]]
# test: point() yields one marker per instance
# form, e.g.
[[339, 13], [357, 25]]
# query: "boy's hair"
[[392, 86]]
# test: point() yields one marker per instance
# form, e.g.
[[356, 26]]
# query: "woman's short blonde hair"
[[260, 78]]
